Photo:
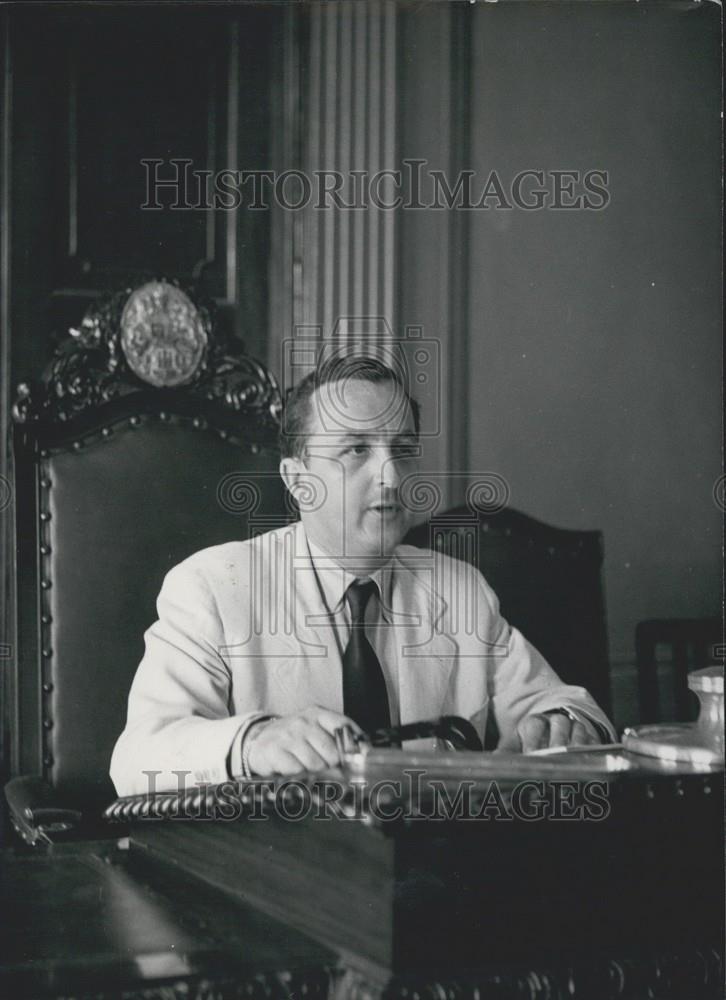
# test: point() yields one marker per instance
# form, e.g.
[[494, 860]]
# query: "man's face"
[[361, 444]]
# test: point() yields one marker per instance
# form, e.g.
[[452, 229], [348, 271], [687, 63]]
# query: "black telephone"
[[460, 733]]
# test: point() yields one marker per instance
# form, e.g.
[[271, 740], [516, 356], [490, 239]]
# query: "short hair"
[[351, 367]]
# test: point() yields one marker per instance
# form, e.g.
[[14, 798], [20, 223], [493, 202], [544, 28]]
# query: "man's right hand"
[[296, 743]]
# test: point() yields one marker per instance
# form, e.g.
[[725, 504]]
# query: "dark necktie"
[[365, 699]]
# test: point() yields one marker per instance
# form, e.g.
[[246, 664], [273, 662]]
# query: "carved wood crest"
[[156, 336]]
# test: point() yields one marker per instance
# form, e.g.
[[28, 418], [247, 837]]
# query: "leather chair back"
[[112, 496], [548, 581]]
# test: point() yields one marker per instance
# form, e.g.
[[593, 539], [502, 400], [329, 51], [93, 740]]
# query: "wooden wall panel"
[[88, 92]]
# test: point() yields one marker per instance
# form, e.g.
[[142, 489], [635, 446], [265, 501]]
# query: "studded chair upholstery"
[[548, 581], [122, 472]]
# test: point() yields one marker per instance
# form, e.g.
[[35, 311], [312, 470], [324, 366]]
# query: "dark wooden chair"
[[693, 643], [548, 581], [147, 438]]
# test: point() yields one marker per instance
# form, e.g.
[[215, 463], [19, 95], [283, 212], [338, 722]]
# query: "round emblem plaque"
[[162, 335]]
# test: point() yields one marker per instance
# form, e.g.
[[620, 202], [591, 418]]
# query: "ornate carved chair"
[[148, 438], [548, 579]]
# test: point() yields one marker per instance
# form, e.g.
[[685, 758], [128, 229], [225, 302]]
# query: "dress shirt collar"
[[335, 579]]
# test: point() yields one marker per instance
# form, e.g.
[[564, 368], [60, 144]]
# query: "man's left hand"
[[554, 729]]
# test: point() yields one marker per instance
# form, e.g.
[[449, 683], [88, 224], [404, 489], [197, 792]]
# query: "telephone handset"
[[458, 732]]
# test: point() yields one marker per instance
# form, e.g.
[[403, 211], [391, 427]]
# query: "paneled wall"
[[115, 120], [88, 94]]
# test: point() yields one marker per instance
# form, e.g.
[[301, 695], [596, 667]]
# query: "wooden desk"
[[193, 911], [85, 921], [504, 905]]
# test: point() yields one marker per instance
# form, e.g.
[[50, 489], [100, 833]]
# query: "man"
[[264, 648]]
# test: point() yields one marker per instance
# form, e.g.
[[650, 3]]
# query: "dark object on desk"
[[119, 479], [388, 878], [548, 581], [459, 733], [694, 643]]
